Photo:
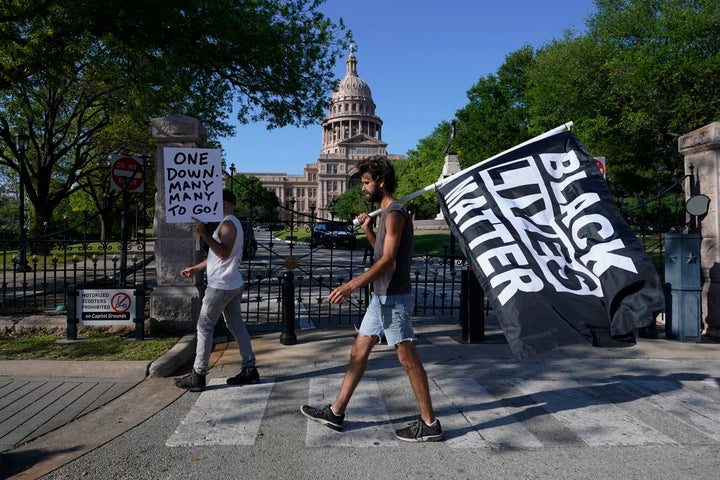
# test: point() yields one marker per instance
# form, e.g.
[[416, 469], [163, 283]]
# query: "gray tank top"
[[396, 281]]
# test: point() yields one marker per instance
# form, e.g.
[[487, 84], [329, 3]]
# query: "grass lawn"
[[95, 344]]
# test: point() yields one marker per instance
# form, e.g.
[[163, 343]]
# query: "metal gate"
[[111, 247], [285, 269], [290, 266]]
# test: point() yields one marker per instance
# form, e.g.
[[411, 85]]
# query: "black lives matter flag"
[[550, 248]]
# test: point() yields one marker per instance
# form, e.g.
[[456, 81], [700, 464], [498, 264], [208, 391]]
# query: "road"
[[648, 412]]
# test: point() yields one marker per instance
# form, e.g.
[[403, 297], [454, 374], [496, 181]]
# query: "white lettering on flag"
[[528, 226]]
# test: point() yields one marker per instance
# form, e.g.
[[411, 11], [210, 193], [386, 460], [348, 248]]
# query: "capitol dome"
[[351, 112], [352, 86]]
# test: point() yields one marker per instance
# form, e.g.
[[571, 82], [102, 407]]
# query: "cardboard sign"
[[106, 307], [193, 185]]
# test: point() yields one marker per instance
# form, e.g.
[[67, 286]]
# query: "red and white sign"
[[600, 162], [128, 174], [106, 307]]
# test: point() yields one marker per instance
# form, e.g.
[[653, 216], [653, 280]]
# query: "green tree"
[[275, 57], [496, 116], [254, 201], [495, 119], [8, 218], [645, 73], [85, 78], [422, 167], [351, 203]]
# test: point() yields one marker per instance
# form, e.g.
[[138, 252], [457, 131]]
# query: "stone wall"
[[175, 303], [701, 149]]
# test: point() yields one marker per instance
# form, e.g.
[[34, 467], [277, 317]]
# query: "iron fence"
[[56, 264], [315, 271], [652, 218], [56, 267], [69, 265]]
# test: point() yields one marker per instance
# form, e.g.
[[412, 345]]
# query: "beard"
[[375, 195]]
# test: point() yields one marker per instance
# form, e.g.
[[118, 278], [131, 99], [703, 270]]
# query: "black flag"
[[550, 247]]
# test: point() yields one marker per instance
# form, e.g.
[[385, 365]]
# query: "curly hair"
[[379, 167]]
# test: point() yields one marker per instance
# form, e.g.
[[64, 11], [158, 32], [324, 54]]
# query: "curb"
[[179, 355]]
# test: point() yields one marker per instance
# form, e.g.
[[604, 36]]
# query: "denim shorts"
[[389, 315]]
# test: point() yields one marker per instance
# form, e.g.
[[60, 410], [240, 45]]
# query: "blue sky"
[[420, 58]]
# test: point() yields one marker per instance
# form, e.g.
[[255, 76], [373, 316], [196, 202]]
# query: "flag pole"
[[562, 128]]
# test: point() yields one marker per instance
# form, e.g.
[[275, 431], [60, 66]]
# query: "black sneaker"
[[247, 376], [419, 432], [325, 416], [192, 381]]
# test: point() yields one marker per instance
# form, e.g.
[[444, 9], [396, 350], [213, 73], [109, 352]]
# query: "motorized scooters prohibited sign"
[[127, 173], [106, 307]]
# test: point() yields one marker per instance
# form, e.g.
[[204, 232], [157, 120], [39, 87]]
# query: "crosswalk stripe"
[[685, 404], [224, 415], [472, 418], [594, 421], [367, 423]]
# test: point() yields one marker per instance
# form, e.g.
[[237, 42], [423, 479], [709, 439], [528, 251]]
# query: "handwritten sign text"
[[193, 185]]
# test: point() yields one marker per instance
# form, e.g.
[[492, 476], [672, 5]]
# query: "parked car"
[[332, 235]]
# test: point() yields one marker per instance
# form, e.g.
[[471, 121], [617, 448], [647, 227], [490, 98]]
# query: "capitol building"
[[351, 132]]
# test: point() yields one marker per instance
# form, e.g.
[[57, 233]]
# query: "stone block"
[[175, 308], [178, 129], [173, 255]]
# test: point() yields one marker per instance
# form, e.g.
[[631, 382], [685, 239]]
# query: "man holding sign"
[[222, 296]]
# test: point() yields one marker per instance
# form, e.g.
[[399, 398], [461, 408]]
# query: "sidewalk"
[[121, 395], [52, 412]]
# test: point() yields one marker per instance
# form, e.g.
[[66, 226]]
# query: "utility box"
[[682, 274]]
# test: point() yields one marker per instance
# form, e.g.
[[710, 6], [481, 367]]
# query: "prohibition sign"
[[120, 302], [126, 173]]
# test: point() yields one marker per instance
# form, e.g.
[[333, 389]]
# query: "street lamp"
[[21, 144]]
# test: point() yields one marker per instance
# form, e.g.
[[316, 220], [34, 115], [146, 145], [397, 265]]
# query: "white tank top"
[[225, 274]]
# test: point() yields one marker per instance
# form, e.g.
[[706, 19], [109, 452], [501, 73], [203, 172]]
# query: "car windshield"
[[337, 227]]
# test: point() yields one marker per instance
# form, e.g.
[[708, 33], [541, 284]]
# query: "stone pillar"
[[701, 149], [175, 303], [451, 165]]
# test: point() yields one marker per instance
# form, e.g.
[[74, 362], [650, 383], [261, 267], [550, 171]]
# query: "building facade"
[[351, 132]]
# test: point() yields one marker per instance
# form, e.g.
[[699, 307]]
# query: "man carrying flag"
[[391, 305]]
